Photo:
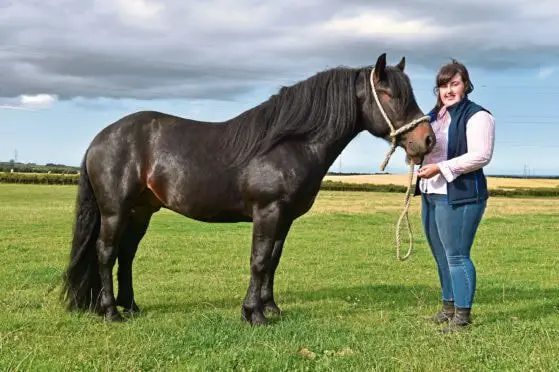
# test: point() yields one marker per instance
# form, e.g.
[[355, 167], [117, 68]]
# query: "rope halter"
[[394, 134]]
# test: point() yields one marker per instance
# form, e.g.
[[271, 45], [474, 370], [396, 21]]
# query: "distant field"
[[402, 179]]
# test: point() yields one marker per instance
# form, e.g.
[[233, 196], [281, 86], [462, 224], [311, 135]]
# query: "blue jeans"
[[450, 231]]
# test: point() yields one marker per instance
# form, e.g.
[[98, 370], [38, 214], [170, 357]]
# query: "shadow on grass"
[[518, 303], [515, 303]]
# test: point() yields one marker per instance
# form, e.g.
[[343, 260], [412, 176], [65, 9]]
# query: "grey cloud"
[[215, 50]]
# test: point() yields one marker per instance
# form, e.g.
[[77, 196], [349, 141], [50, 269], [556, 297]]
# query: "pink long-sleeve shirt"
[[480, 134]]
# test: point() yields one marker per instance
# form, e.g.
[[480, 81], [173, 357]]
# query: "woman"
[[454, 189]]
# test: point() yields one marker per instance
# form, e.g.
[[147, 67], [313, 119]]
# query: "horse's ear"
[[380, 66], [402, 64]]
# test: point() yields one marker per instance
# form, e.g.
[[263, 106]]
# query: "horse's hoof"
[[272, 308], [134, 310], [114, 316], [253, 317], [258, 319], [127, 308]]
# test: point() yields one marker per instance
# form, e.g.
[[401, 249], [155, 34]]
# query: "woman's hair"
[[446, 73]]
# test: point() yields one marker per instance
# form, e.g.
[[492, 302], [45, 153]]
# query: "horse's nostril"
[[428, 141]]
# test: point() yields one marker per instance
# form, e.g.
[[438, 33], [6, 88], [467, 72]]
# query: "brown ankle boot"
[[445, 314], [462, 319]]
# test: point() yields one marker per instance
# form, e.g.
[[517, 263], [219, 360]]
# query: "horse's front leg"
[[266, 221], [267, 292]]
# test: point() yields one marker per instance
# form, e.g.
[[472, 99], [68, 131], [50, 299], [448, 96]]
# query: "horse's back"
[[178, 160], [139, 132]]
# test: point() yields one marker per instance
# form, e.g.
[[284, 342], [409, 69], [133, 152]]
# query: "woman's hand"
[[428, 171]]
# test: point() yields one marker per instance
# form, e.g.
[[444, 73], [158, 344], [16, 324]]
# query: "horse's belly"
[[211, 208], [221, 217]]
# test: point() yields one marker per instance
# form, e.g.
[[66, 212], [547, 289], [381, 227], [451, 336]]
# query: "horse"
[[263, 166]]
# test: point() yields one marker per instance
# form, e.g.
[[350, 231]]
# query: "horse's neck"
[[325, 148], [329, 151]]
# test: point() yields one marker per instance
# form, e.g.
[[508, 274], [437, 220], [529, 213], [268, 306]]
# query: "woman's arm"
[[480, 134]]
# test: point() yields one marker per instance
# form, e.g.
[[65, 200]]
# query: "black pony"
[[265, 166]]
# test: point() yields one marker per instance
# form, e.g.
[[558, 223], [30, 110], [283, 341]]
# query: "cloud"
[[374, 25], [546, 72], [13, 107], [140, 9], [145, 14], [38, 101], [31, 102], [223, 49]]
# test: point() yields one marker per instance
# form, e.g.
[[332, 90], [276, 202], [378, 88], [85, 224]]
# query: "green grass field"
[[348, 303]]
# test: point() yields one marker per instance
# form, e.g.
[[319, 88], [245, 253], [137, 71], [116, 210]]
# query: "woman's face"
[[453, 91]]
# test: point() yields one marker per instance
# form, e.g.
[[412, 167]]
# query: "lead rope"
[[405, 214], [393, 135]]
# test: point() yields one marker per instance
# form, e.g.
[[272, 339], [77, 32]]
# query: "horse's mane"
[[312, 110]]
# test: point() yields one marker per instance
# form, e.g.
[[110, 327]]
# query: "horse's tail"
[[82, 282]]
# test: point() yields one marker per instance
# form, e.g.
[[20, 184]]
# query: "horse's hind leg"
[[135, 230], [267, 292], [107, 249], [266, 221]]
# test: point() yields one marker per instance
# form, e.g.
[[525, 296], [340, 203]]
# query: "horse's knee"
[[260, 264], [105, 254]]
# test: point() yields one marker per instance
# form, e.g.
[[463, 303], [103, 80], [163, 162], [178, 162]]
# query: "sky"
[[68, 68]]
